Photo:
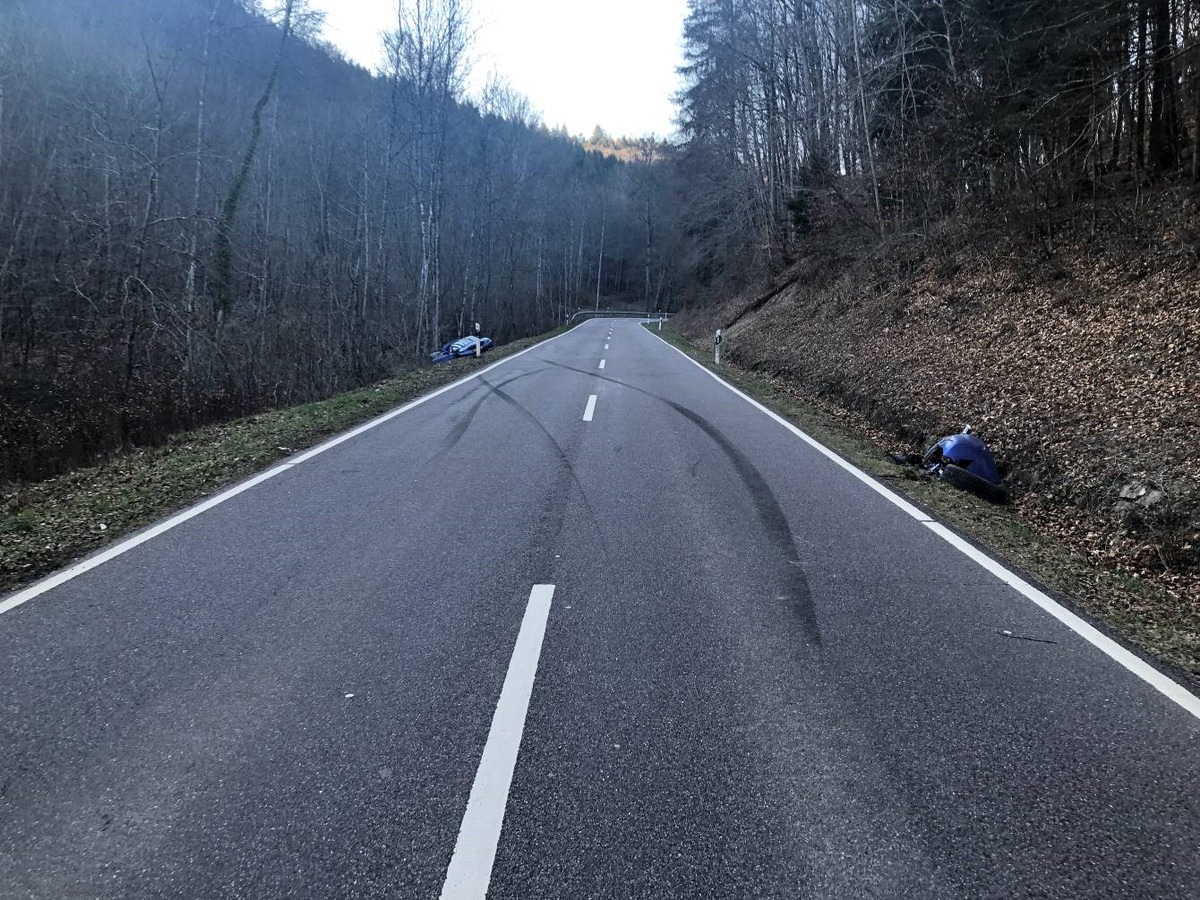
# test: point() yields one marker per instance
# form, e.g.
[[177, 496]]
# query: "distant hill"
[[626, 149]]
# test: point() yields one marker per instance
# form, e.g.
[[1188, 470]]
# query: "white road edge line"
[[591, 408], [1166, 686], [470, 869], [87, 564], [602, 362]]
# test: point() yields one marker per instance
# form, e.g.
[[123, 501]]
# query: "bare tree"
[[233, 195], [427, 52]]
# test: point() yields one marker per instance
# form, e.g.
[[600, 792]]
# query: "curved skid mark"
[[460, 427], [770, 513], [772, 516], [595, 374], [562, 455], [464, 396]]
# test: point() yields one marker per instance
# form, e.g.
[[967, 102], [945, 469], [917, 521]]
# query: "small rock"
[[1144, 494], [1133, 490]]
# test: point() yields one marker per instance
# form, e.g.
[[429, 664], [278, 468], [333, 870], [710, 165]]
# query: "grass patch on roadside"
[[1152, 617], [45, 525]]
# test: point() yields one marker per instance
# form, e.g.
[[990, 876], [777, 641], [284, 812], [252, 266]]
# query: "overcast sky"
[[608, 63]]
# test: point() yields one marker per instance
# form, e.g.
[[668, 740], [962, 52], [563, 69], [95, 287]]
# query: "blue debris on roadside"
[[965, 461]]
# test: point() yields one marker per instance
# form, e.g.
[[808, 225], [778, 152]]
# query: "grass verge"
[[1150, 616], [45, 525]]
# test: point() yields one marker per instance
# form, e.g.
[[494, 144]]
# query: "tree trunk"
[[233, 198], [1165, 138]]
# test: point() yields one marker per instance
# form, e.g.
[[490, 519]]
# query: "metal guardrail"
[[617, 314]]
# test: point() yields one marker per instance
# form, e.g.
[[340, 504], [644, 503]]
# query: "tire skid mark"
[[559, 512], [772, 517], [770, 513], [464, 422], [460, 427]]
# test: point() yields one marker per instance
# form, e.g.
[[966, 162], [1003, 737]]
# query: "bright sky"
[[582, 64]]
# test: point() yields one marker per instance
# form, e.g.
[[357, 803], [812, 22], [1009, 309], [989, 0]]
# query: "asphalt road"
[[757, 677]]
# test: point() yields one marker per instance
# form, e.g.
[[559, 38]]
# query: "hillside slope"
[[1073, 351]]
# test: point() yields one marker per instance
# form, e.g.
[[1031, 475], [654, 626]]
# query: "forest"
[[808, 116], [205, 211]]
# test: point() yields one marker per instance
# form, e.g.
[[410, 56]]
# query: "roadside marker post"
[[478, 342], [717, 348]]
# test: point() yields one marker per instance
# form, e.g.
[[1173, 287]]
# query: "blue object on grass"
[[970, 453], [966, 462]]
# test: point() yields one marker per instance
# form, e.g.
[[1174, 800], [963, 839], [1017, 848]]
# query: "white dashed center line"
[[602, 362], [470, 870], [591, 409]]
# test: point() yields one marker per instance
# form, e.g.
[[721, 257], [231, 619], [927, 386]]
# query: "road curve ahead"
[[588, 624]]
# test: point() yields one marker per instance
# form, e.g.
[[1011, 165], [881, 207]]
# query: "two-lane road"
[[731, 668]]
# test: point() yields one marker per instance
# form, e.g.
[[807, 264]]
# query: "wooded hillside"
[[891, 114], [204, 211]]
